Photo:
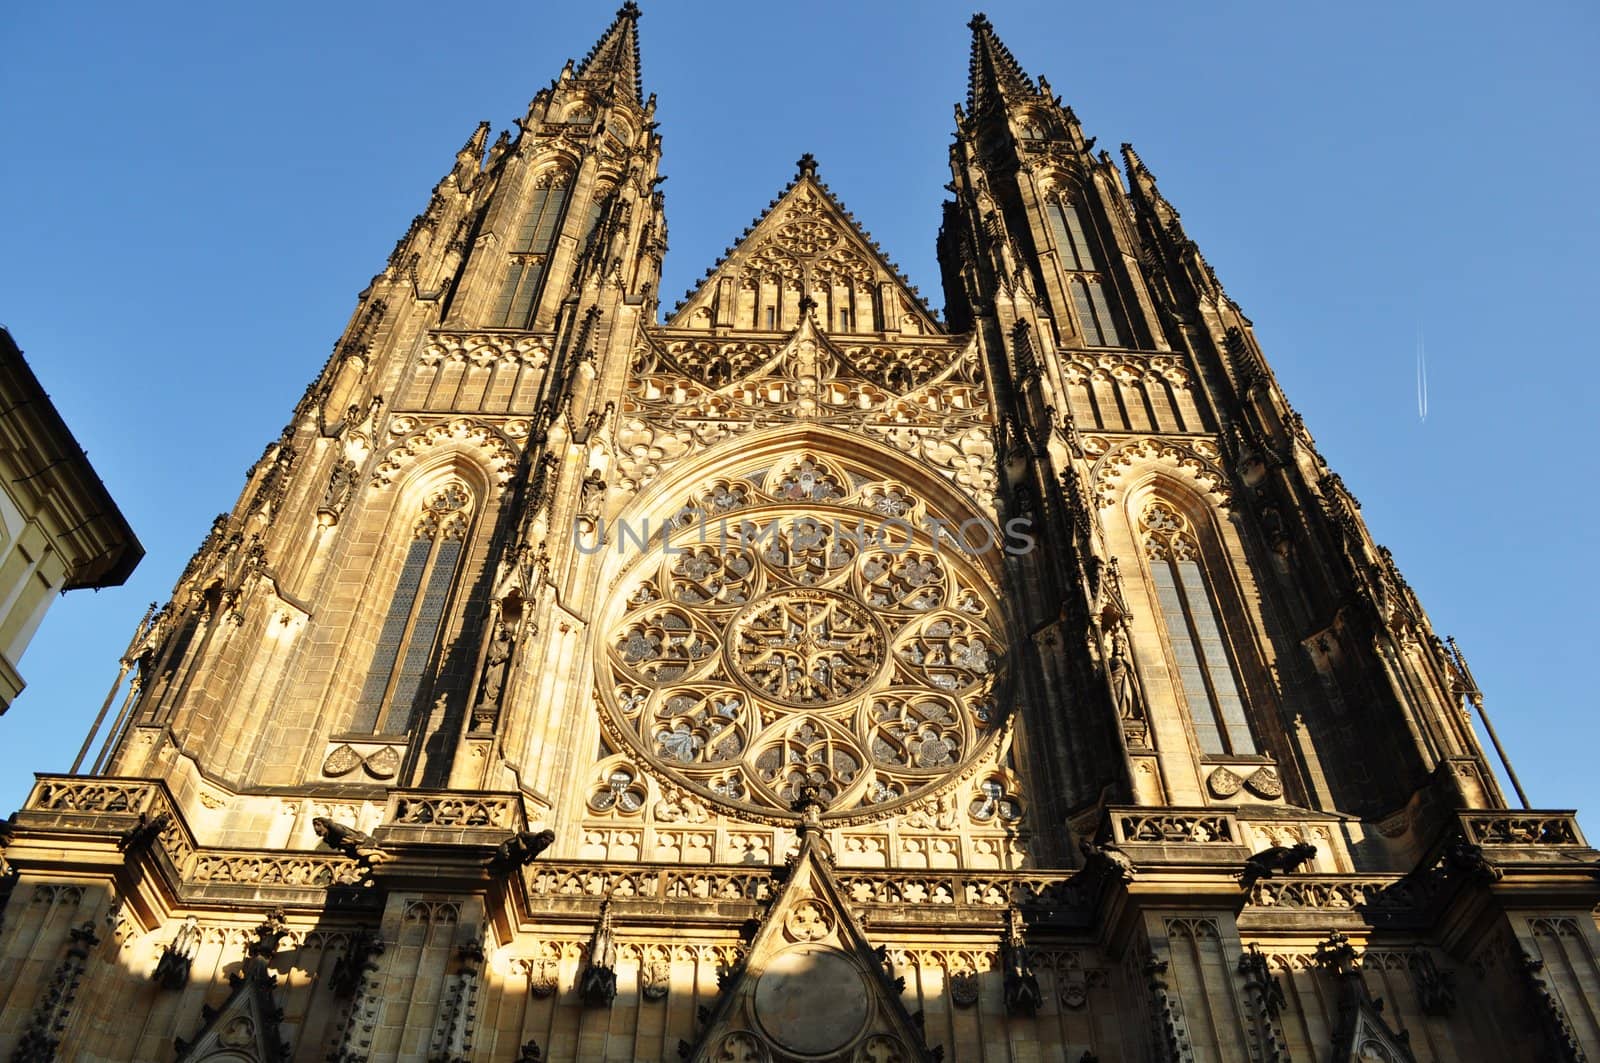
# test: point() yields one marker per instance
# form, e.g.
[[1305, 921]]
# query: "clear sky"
[[193, 195]]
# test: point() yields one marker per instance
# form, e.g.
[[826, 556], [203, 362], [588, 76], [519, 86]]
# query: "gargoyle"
[[519, 850], [356, 844], [1107, 859], [142, 833], [1279, 858]]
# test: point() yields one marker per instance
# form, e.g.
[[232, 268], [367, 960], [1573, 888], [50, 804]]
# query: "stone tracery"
[[820, 640]]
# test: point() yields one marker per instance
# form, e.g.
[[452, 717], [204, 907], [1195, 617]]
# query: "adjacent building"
[[59, 528]]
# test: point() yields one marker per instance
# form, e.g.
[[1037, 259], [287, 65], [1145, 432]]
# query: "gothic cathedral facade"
[[796, 675]]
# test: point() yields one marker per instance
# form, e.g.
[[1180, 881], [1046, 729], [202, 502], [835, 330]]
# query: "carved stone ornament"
[[172, 970], [964, 988], [382, 763], [655, 978], [1224, 782], [544, 978], [1265, 782]]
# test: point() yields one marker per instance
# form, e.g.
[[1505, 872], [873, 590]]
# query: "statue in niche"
[[1119, 671], [172, 970], [591, 499], [341, 483], [495, 663]]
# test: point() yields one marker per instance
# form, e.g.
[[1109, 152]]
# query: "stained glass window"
[[1206, 676], [416, 613]]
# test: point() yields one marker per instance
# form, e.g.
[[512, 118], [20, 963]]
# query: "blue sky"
[[194, 195]]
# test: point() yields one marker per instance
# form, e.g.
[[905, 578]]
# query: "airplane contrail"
[[1422, 379]]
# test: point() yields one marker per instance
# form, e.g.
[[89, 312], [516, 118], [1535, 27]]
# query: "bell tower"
[[794, 674]]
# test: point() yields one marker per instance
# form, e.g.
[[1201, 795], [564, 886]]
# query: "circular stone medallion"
[[805, 648], [812, 1000]]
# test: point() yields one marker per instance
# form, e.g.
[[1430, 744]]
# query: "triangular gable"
[[811, 985], [245, 1027], [805, 247], [1364, 1037]]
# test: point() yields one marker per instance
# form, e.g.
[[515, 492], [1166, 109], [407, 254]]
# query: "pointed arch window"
[[530, 254], [1091, 303], [1207, 679], [416, 614]]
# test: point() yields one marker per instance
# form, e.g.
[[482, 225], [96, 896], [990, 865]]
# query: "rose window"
[[802, 633]]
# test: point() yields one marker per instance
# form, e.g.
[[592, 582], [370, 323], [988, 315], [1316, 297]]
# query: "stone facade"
[[797, 675]]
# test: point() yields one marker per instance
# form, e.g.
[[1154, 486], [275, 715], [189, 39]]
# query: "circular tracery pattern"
[[805, 647], [816, 639]]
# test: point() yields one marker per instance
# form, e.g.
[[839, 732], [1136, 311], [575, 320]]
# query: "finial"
[[979, 21], [808, 165], [628, 10]]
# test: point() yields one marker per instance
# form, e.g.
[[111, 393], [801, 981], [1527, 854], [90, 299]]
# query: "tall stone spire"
[[994, 72], [615, 55]]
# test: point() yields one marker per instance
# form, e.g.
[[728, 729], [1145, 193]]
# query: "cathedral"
[[796, 674]]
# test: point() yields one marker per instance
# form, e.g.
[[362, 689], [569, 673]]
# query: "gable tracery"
[[927, 399], [1194, 461], [805, 246]]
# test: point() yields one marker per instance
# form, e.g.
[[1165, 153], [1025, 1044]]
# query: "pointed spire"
[[1131, 158], [1142, 187], [616, 54], [474, 145], [994, 72]]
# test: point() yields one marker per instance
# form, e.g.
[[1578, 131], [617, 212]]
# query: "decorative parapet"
[[451, 817], [99, 803], [1343, 892], [900, 894], [142, 812], [1180, 836], [1174, 826], [908, 892], [1522, 829]]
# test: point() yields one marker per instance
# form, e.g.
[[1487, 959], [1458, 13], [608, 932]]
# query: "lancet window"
[[1075, 244], [1207, 680], [530, 251], [416, 614]]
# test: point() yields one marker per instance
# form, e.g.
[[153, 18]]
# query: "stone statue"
[[591, 498], [1119, 670], [520, 849], [172, 970], [341, 482], [1279, 858], [358, 845], [494, 668]]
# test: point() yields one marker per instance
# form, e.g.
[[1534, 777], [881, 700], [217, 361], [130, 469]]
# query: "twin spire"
[[615, 56], [993, 74]]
